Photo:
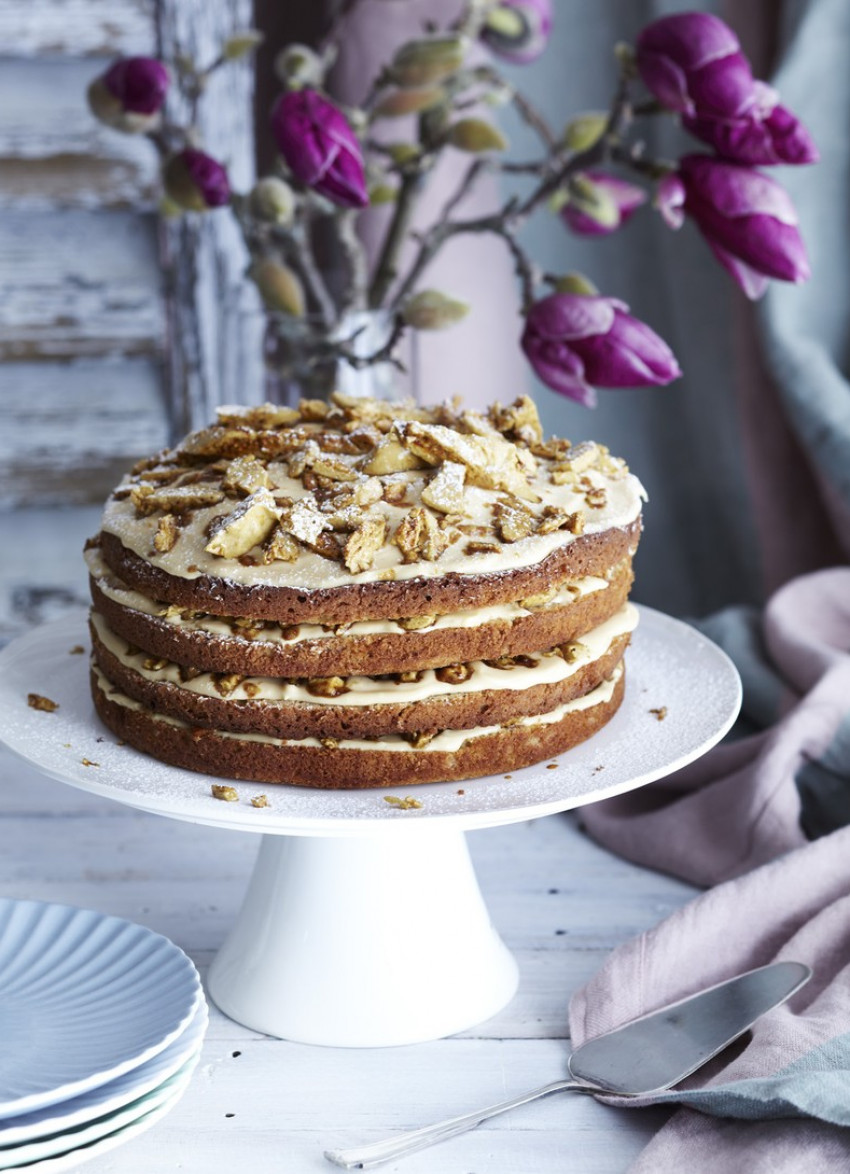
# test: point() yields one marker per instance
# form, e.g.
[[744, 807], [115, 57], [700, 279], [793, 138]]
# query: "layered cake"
[[364, 594]]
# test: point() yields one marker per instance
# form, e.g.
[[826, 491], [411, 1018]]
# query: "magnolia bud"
[[575, 283], [298, 65], [583, 131], [272, 200], [428, 60], [497, 95], [625, 54], [320, 147], [558, 200], [594, 201], [242, 43], [506, 23], [382, 193], [476, 135], [279, 287], [431, 310], [517, 30], [168, 209], [409, 101], [403, 153]]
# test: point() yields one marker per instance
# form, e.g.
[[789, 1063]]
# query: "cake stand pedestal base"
[[363, 941]]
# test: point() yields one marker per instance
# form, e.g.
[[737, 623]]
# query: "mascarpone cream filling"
[[548, 668], [311, 572], [118, 591], [446, 740]]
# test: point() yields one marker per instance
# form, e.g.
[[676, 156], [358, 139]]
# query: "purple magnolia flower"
[[621, 198], [138, 83], [518, 30], [319, 147], [692, 62], [747, 219], [573, 341], [196, 181], [766, 134]]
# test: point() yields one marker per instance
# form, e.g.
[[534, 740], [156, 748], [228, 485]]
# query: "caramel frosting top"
[[328, 495]]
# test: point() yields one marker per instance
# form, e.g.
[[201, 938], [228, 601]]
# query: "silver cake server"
[[645, 1056]]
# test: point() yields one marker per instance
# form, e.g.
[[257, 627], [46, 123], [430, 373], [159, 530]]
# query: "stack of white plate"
[[101, 1025]]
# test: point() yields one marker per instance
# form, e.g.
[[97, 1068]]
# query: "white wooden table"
[[560, 902]]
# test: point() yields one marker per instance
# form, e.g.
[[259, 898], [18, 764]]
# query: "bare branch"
[[297, 243], [356, 293], [384, 354], [385, 270]]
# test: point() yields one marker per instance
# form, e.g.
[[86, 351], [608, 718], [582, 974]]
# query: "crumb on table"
[[405, 804], [77, 650], [36, 701], [88, 762], [260, 801], [660, 712], [225, 793]]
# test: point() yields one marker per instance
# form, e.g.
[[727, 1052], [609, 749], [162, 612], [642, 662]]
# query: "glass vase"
[[301, 359]]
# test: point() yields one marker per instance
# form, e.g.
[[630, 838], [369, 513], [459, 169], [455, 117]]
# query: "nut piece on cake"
[[419, 536], [360, 549]]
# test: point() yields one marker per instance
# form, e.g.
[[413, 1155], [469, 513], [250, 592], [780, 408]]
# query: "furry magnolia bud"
[[241, 43], [418, 63], [432, 310], [279, 287], [272, 200], [476, 136], [298, 65], [585, 130], [414, 100], [575, 283], [382, 193]]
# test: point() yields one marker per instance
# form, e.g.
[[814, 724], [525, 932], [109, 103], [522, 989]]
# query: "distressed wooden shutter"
[[105, 351]]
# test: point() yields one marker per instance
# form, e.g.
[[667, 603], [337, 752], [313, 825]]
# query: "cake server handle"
[[368, 1156]]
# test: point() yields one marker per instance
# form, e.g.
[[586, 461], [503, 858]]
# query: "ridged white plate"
[[107, 1098], [75, 1157], [61, 1144], [84, 998]]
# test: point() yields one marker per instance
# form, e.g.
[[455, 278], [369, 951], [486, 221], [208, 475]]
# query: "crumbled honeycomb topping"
[[37, 701], [373, 475], [225, 793]]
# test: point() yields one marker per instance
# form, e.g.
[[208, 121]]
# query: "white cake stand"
[[363, 923]]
